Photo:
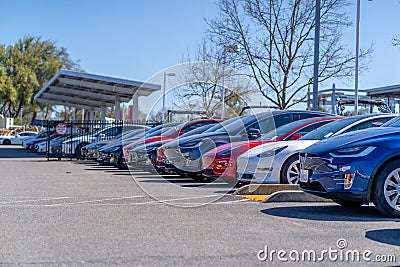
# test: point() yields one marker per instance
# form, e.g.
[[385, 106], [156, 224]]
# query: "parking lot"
[[79, 213]]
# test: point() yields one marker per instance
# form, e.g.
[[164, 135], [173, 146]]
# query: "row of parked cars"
[[352, 160]]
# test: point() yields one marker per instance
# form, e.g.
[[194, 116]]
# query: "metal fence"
[[66, 138]]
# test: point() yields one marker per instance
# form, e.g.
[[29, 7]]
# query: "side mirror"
[[253, 133], [180, 133], [102, 136], [295, 136]]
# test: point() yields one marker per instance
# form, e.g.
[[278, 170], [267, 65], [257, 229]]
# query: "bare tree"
[[277, 41], [204, 77], [396, 41]]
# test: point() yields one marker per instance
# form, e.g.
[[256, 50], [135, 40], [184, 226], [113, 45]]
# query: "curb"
[[294, 196], [265, 189]]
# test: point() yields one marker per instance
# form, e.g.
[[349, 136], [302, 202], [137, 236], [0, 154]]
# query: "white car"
[[278, 162], [17, 138]]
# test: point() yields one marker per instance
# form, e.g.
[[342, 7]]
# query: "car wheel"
[[7, 142], [386, 191], [290, 171], [347, 203]]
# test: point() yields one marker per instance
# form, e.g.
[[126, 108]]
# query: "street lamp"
[[357, 57], [163, 99], [227, 49]]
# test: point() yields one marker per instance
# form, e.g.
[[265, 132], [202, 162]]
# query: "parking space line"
[[97, 200], [33, 200]]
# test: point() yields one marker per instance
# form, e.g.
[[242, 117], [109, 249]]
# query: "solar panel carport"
[[93, 92]]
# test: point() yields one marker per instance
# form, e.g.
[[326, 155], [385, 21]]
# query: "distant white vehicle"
[[17, 138]]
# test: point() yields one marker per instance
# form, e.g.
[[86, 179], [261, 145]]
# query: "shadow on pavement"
[[387, 236], [329, 213], [17, 152]]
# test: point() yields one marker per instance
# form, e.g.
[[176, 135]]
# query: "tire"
[[288, 170], [7, 142], [199, 178], [386, 191], [348, 203], [78, 153]]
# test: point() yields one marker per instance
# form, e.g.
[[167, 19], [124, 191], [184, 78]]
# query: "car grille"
[[313, 186], [208, 171]]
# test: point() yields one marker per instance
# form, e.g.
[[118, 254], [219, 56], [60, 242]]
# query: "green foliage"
[[25, 68]]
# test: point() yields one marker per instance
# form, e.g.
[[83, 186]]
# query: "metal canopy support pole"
[[135, 108], [333, 99], [316, 54], [75, 112], [103, 113], [91, 114], [117, 109]]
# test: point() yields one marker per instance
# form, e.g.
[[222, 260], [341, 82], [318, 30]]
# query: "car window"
[[283, 119], [368, 124], [266, 125], [395, 122], [309, 128], [306, 115], [329, 129], [196, 125]]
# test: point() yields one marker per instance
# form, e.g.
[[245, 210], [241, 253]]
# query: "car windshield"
[[219, 125], [199, 130], [280, 131], [236, 125], [329, 129], [395, 122], [173, 129]]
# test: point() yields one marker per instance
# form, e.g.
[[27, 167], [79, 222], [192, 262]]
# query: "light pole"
[[230, 49], [357, 55], [316, 54], [163, 99]]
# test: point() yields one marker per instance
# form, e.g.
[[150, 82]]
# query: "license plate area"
[[304, 176]]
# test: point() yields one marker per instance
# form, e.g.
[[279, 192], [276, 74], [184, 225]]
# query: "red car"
[[170, 134], [220, 162]]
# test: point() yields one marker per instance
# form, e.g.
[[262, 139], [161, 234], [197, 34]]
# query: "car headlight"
[[356, 151], [271, 152]]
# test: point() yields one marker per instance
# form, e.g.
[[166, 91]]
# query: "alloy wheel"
[[391, 189], [293, 172]]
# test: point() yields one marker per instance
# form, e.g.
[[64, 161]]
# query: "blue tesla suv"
[[356, 168]]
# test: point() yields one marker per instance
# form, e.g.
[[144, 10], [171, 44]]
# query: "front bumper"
[[139, 160], [327, 178], [257, 170]]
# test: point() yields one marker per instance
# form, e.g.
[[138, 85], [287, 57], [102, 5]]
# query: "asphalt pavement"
[[76, 213]]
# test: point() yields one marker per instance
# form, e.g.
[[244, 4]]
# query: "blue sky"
[[135, 39]]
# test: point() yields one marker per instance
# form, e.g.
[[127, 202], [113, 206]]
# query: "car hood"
[[111, 146], [357, 138], [290, 146], [149, 146]]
